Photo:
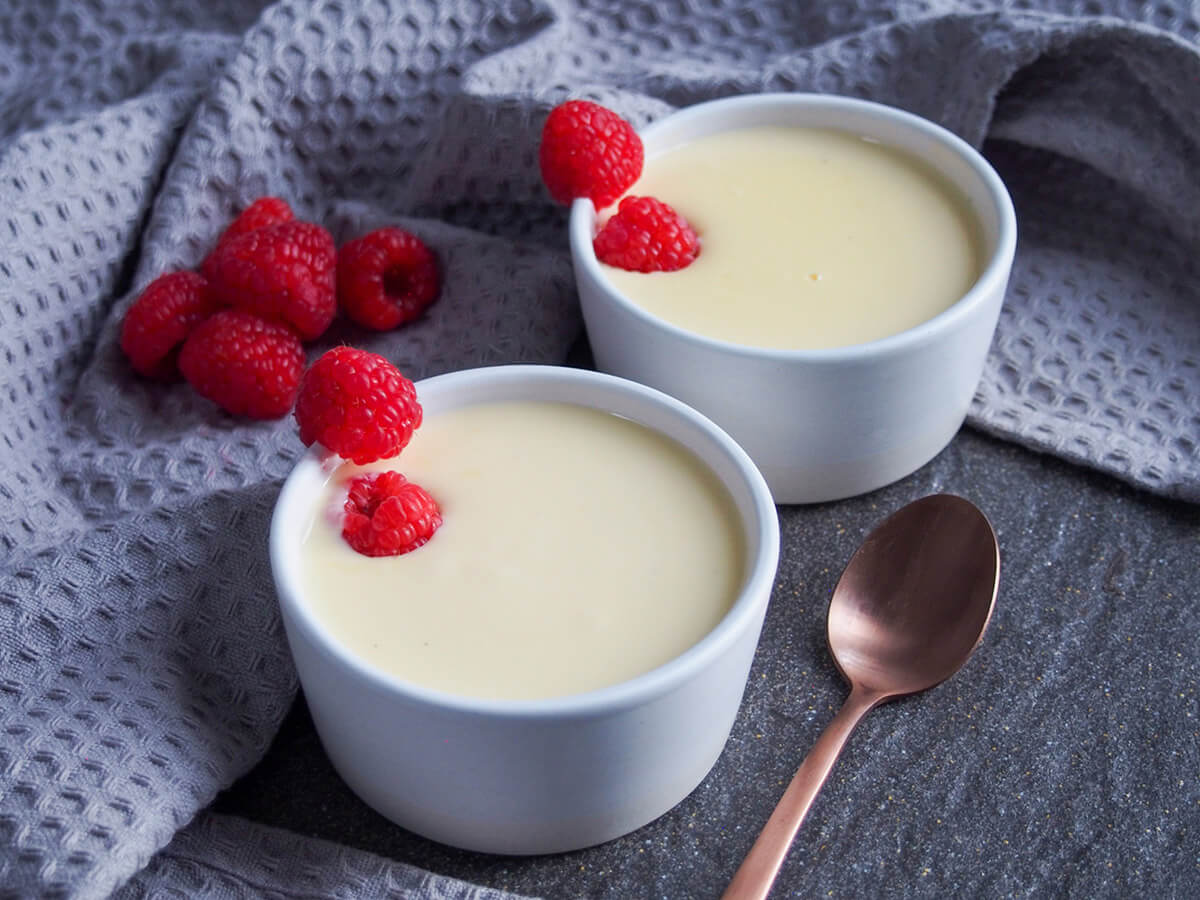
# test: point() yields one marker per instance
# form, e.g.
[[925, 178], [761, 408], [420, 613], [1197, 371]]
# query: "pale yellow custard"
[[578, 549], [810, 238]]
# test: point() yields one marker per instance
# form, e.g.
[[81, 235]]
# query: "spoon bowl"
[[908, 611], [915, 598]]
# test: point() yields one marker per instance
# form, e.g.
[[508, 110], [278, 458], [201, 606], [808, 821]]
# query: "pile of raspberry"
[[235, 329], [359, 406], [589, 151]]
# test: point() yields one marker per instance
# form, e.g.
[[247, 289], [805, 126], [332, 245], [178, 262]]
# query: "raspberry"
[[246, 365], [386, 515], [358, 405], [588, 151], [646, 235], [161, 318], [262, 212], [386, 278], [282, 272]]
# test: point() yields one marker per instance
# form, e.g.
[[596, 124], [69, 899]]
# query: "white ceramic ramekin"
[[820, 424], [534, 776]]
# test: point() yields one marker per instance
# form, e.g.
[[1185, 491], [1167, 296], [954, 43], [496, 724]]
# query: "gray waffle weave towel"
[[142, 665]]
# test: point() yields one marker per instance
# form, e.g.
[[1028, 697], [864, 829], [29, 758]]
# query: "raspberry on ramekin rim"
[[587, 150], [358, 405]]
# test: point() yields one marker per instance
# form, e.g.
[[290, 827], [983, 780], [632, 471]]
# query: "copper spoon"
[[907, 612]]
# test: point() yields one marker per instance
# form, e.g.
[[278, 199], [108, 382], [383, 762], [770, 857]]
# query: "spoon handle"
[[754, 877]]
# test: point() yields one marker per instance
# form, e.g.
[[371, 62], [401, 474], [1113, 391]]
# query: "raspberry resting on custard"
[[358, 405], [386, 278], [646, 235], [386, 514], [161, 318], [246, 365], [589, 151], [283, 272], [262, 212]]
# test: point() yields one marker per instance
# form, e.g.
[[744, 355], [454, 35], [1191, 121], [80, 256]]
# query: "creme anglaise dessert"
[[810, 238], [578, 549]]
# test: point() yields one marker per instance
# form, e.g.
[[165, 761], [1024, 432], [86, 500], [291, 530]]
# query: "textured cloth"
[[230, 858], [142, 663]]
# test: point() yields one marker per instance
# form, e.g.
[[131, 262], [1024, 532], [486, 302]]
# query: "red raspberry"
[[386, 278], [358, 405], [262, 212], [386, 515], [646, 235], [246, 365], [161, 318], [589, 151], [281, 272]]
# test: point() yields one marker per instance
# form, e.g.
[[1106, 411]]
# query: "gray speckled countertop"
[[1062, 761]]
